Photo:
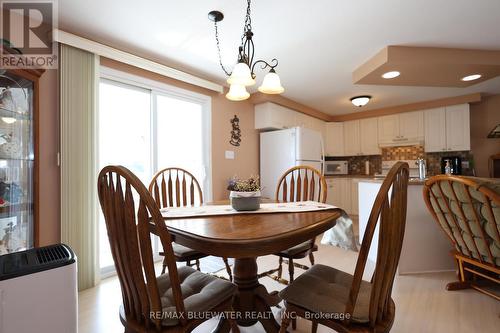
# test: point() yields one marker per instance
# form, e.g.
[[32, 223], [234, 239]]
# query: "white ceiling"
[[318, 43]]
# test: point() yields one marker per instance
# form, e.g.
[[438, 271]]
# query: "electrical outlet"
[[229, 155]]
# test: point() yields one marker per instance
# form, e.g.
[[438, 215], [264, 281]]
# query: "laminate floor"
[[422, 303]]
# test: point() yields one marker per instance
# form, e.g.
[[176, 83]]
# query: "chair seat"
[[183, 253], [323, 289], [298, 249], [200, 292]]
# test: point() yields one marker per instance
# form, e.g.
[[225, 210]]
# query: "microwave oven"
[[336, 168]]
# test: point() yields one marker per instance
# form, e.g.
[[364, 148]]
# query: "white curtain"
[[79, 217]]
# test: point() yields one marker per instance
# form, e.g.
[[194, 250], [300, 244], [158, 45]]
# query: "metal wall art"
[[235, 132]]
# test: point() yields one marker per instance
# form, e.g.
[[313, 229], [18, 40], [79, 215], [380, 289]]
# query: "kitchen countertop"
[[373, 179]]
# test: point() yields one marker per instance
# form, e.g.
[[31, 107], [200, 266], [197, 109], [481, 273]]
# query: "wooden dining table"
[[245, 237]]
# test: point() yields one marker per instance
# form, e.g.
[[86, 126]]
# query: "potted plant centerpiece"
[[245, 193]]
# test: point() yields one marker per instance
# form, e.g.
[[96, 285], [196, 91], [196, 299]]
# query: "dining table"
[[245, 237]]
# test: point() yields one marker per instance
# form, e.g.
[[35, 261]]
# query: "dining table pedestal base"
[[253, 303]]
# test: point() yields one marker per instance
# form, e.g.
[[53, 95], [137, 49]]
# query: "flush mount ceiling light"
[[471, 77], [360, 101], [391, 75], [243, 74]]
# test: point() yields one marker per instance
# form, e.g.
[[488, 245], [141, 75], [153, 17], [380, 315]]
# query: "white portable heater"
[[38, 291]]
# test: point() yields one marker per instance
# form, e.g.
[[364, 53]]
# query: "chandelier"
[[243, 74]]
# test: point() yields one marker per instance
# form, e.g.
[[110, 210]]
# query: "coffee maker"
[[451, 165]]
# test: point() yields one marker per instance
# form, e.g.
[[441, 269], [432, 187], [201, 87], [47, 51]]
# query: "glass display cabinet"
[[18, 164]]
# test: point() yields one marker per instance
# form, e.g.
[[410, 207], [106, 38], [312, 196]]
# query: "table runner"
[[213, 210]]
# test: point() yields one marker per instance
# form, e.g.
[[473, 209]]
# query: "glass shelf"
[[6, 113]]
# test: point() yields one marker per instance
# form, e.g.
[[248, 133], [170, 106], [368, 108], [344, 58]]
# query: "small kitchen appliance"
[[336, 167], [451, 165]]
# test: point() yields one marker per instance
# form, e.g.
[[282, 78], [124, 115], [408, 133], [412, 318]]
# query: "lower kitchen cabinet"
[[343, 193]]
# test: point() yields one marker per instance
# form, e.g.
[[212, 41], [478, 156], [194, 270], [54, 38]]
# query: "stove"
[[387, 165]]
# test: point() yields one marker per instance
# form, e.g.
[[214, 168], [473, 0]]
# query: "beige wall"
[[484, 117], [49, 202], [246, 160]]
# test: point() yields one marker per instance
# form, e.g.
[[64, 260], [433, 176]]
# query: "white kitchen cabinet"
[[458, 127], [447, 129], [435, 130], [388, 128], [334, 194], [352, 142], [341, 194], [354, 196], [411, 125], [369, 136], [273, 116], [402, 128], [334, 143]]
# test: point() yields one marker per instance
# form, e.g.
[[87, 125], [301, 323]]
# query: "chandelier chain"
[[218, 50], [248, 23]]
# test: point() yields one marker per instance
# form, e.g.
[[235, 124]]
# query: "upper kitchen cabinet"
[[458, 127], [447, 129], [411, 126], [352, 142], [334, 143], [368, 136], [401, 129], [273, 116]]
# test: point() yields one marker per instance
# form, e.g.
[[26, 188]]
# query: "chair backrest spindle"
[[174, 183], [301, 183]]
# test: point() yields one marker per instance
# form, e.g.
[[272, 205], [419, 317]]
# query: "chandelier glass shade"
[[237, 92], [243, 74]]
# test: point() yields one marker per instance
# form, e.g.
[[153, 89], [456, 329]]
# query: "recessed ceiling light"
[[360, 100], [391, 75], [471, 77]]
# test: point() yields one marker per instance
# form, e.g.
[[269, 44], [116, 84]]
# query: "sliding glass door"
[[146, 127]]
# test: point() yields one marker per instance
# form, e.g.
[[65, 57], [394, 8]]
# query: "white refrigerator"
[[283, 149]]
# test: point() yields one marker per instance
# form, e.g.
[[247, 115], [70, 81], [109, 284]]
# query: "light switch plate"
[[229, 155]]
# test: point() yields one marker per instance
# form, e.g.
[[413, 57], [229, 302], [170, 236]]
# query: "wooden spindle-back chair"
[[300, 183], [347, 303], [129, 210], [468, 211], [176, 187]]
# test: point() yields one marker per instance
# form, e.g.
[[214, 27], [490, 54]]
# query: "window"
[[147, 126]]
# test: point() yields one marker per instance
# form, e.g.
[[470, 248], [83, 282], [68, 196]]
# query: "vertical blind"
[[78, 100]]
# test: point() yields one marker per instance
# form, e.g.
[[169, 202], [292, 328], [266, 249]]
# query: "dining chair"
[[300, 183], [150, 303], [467, 209], [345, 302], [176, 187]]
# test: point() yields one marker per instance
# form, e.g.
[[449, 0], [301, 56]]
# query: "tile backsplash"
[[357, 163], [433, 159]]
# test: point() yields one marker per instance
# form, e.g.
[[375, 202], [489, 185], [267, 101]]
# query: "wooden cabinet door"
[[457, 127], [435, 130], [411, 125], [388, 129], [334, 145], [352, 145], [369, 136]]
